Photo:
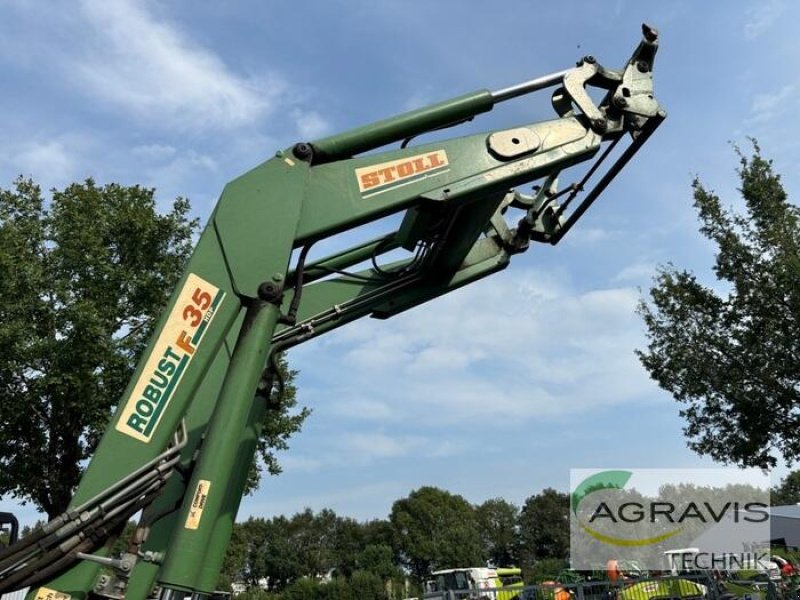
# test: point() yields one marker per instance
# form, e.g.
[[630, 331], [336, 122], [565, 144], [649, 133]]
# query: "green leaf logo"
[[610, 480], [604, 480]]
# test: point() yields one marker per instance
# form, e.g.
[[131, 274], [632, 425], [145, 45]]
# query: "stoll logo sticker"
[[382, 177], [177, 343], [669, 519]]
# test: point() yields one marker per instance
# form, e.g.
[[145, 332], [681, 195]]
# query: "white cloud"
[[592, 235], [527, 346], [183, 167], [310, 124], [151, 69], [381, 445], [44, 156], [767, 106], [761, 17], [368, 447], [155, 152], [636, 272], [356, 501], [364, 448], [50, 161], [362, 408], [298, 463]]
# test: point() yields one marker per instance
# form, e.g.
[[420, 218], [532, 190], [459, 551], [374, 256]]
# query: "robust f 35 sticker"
[[173, 351], [376, 179]]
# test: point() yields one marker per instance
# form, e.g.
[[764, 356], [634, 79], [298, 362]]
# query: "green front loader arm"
[[185, 432]]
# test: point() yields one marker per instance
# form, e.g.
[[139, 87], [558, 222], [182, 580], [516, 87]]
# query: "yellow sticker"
[[188, 322], [44, 593], [376, 179], [198, 504]]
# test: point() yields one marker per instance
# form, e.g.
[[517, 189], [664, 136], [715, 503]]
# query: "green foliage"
[[730, 357], [367, 586], [497, 522], [323, 556], [26, 530], [547, 569], [121, 543], [308, 545], [304, 589], [238, 555], [544, 528], [788, 492], [282, 421], [83, 278], [378, 559], [361, 585], [379, 532], [435, 529], [348, 542], [275, 554]]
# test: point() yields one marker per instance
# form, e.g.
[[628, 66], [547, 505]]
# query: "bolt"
[[277, 277], [620, 102], [303, 151], [590, 59], [125, 565], [600, 125], [642, 66], [266, 290]]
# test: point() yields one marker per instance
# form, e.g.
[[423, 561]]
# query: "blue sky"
[[500, 388]]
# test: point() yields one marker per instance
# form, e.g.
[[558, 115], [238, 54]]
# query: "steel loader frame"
[[183, 438]]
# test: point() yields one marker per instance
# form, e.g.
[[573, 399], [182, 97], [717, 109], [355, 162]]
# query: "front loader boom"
[[184, 435]]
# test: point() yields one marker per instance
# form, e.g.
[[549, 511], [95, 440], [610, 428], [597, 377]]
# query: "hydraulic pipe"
[[395, 129], [526, 87]]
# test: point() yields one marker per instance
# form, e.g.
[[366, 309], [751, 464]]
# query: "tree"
[[497, 522], [83, 277], [378, 559], [348, 542], [544, 527], [435, 529], [729, 355], [277, 555], [378, 532], [306, 545], [281, 422], [243, 557], [788, 492], [367, 586]]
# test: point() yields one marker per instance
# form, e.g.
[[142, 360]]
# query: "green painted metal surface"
[[219, 476], [403, 126]]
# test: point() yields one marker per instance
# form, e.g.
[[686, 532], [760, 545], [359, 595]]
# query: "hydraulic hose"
[[54, 547]]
